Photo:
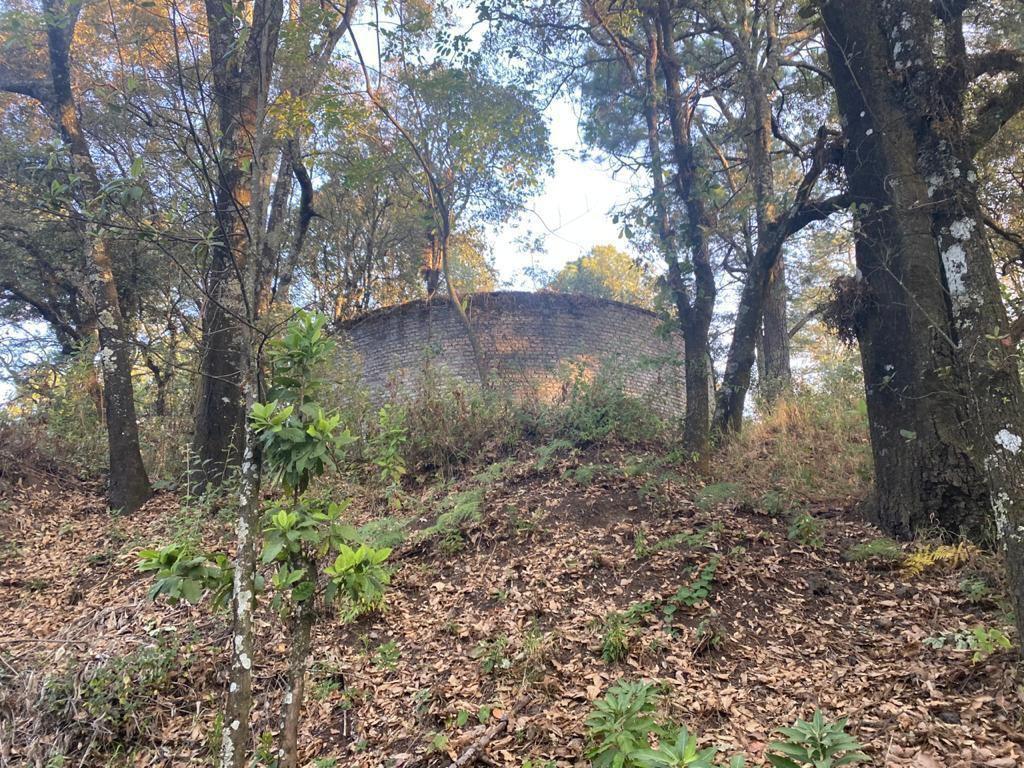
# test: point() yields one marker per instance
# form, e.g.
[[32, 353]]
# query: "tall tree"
[[128, 485], [250, 212], [944, 394]]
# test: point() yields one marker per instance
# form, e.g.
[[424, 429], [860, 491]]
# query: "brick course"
[[530, 341]]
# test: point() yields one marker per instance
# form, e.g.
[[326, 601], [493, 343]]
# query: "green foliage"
[[976, 589], [616, 637], [359, 577], [547, 453], [299, 439], [387, 655], [621, 724], [493, 655], [807, 530], [182, 574], [983, 641], [596, 409], [882, 550], [386, 444], [459, 508], [607, 273], [683, 539], [817, 743], [676, 751], [696, 592], [451, 424], [113, 699]]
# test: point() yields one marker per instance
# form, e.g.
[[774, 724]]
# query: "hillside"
[[543, 564]]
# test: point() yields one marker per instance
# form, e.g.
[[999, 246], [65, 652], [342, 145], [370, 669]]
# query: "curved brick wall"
[[530, 341]]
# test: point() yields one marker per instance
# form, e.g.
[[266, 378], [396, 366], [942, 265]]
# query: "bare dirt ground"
[[510, 611]]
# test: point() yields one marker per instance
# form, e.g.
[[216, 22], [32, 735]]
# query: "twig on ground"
[[471, 754]]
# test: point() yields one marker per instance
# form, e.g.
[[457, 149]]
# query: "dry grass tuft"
[[812, 447]]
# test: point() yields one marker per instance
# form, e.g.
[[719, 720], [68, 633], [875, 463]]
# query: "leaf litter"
[[513, 605]]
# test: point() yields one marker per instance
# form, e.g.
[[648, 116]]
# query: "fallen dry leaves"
[[795, 628]]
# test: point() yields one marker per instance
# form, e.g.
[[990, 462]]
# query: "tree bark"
[[778, 375], [695, 313], [235, 739], [944, 397], [241, 79], [128, 485], [297, 658]]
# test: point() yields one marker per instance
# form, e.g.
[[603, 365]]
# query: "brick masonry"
[[531, 342]]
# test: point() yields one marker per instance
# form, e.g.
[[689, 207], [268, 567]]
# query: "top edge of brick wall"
[[498, 300]]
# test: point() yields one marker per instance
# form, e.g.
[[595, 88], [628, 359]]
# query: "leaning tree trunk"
[[945, 405], [128, 485]]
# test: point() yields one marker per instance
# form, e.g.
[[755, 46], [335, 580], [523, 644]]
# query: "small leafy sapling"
[[386, 444], [621, 724], [816, 743], [182, 574], [300, 442]]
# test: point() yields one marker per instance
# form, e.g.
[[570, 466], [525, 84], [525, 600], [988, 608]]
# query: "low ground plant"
[[807, 530], [623, 732], [815, 743]]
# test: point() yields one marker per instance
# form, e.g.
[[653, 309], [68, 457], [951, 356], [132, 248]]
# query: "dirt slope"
[[510, 610]]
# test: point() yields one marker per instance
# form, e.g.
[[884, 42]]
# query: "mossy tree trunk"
[[944, 397]]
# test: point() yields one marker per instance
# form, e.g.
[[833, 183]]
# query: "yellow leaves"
[[953, 556], [288, 113]]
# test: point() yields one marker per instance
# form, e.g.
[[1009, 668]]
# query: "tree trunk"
[[241, 79], [235, 739], [297, 660], [467, 325], [128, 485], [777, 374], [944, 397], [694, 316]]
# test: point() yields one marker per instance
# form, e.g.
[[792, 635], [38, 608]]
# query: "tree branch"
[[996, 112]]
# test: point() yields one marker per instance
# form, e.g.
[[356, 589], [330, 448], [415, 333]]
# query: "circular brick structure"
[[532, 343]]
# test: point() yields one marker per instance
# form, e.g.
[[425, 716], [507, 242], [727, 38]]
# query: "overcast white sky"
[[571, 215]]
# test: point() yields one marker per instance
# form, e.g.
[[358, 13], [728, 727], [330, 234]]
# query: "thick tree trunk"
[[944, 397], [241, 79], [694, 314], [777, 374], [128, 485]]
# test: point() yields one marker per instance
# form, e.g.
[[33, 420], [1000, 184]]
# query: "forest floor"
[[508, 611]]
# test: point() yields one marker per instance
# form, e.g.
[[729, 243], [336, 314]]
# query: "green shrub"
[[546, 454], [115, 699], [596, 409], [616, 637], [451, 424], [984, 641], [493, 655], [807, 530], [817, 743], [621, 724], [385, 446]]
